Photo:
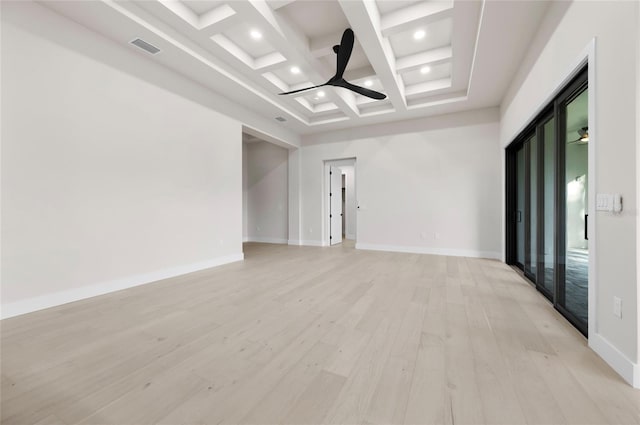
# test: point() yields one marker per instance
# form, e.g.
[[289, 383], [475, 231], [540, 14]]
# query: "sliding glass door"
[[520, 201], [531, 259], [573, 270], [547, 174], [547, 233], [525, 207]]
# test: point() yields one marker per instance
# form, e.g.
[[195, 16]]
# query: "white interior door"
[[335, 205]]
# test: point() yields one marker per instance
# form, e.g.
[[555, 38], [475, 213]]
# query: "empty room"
[[320, 212]]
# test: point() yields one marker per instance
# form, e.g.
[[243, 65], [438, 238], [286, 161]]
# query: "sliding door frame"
[[546, 115], [573, 90], [555, 109]]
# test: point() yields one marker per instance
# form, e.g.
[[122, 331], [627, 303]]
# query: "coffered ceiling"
[[428, 57]]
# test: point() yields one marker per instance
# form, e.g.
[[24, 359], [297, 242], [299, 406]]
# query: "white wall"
[[562, 42], [351, 206], [266, 188], [435, 188], [107, 181]]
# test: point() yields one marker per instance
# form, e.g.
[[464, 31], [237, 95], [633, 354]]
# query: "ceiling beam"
[[364, 19], [269, 62], [419, 14], [294, 46], [430, 57], [180, 41], [213, 22], [429, 86], [277, 4]]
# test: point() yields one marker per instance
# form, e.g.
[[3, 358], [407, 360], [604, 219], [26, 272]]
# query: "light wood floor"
[[312, 335]]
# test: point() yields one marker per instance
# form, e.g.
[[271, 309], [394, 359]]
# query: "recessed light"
[[425, 69], [320, 93], [255, 34], [368, 83], [419, 34], [295, 70]]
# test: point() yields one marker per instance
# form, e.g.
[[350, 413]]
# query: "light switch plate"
[[604, 202], [617, 307]]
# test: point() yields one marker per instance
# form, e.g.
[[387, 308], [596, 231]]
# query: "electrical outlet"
[[617, 307]]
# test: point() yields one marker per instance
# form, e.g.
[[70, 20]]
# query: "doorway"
[[339, 201], [547, 202], [336, 202], [265, 191]]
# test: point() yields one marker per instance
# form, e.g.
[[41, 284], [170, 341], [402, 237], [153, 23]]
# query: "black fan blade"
[[306, 88], [344, 53], [361, 90]]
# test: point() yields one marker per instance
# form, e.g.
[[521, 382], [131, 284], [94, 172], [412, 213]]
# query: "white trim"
[[351, 237], [245, 239], [310, 243], [265, 240], [590, 54], [326, 165], [429, 250], [628, 370], [63, 297], [298, 242], [637, 374]]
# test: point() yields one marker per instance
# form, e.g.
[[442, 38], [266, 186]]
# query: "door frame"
[[326, 206], [581, 77]]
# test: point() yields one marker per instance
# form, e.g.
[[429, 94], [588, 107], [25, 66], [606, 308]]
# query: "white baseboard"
[[245, 239], [628, 370], [265, 240], [429, 250], [350, 237], [63, 297], [311, 243]]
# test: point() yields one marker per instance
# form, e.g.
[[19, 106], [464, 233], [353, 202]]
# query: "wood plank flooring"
[[305, 335]]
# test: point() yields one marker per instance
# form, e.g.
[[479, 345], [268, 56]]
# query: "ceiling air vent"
[[149, 48], [280, 119]]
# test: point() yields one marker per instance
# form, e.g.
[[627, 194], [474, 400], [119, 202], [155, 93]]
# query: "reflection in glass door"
[[573, 280]]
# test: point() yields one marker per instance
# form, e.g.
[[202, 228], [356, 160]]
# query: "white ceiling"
[[471, 48]]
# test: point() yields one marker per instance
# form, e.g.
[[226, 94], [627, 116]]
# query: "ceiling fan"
[[343, 51], [584, 137]]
